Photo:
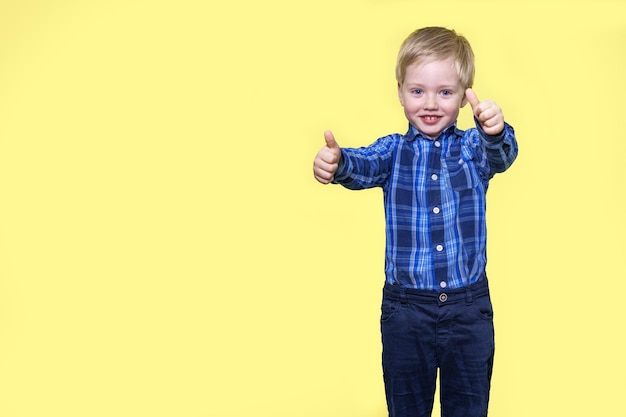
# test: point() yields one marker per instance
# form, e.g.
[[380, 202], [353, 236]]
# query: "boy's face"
[[432, 96]]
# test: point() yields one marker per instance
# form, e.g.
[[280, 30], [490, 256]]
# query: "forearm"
[[501, 150], [361, 168]]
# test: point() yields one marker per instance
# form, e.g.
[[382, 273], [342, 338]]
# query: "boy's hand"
[[488, 114], [327, 160]]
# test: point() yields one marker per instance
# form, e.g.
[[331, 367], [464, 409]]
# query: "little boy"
[[436, 308]]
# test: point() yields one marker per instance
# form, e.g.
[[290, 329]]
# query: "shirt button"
[[439, 248], [437, 144], [436, 210], [443, 284], [434, 177], [443, 297]]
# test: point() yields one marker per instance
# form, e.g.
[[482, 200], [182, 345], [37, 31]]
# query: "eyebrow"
[[443, 86]]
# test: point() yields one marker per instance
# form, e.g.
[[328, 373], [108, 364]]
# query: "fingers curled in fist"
[[327, 160], [487, 112]]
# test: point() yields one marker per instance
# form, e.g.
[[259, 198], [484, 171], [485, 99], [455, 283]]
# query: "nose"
[[430, 102]]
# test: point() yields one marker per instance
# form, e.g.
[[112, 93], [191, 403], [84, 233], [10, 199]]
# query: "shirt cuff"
[[343, 170], [491, 139]]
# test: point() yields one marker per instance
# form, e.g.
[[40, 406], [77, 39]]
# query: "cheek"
[[409, 104], [453, 109]]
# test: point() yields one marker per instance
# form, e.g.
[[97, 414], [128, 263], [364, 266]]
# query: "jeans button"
[[443, 297]]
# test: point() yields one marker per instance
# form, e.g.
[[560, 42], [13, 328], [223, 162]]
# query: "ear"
[[400, 95], [464, 101]]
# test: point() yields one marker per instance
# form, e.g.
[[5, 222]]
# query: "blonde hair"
[[436, 43]]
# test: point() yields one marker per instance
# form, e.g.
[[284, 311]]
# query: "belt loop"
[[468, 296], [403, 297]]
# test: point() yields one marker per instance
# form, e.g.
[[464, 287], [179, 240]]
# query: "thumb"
[[472, 99], [330, 140]]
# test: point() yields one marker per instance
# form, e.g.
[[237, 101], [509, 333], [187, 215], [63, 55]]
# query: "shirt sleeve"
[[500, 150], [366, 167]]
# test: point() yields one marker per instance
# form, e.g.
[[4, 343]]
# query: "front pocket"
[[484, 308], [388, 310], [459, 173]]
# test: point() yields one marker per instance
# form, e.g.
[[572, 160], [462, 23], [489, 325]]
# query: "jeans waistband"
[[477, 289]]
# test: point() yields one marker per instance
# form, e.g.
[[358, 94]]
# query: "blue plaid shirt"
[[434, 192]]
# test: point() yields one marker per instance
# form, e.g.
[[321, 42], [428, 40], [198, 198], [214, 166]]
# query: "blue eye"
[[416, 91], [446, 93]]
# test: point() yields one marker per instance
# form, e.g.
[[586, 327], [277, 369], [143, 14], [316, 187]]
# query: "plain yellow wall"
[[165, 251]]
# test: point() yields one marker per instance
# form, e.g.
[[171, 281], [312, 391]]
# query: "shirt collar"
[[413, 133]]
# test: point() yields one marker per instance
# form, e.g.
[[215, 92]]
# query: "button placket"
[[434, 200]]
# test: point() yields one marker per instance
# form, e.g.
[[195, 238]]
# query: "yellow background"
[[165, 251]]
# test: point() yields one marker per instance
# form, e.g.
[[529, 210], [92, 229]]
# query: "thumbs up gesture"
[[488, 114], [327, 160]]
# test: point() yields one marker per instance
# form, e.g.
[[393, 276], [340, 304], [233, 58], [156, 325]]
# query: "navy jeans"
[[423, 331]]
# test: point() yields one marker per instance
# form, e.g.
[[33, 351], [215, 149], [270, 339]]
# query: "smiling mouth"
[[430, 119]]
